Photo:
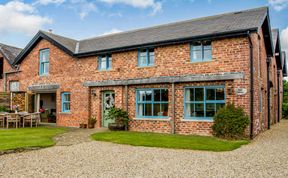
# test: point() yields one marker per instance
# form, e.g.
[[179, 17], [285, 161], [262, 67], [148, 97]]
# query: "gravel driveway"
[[266, 156]]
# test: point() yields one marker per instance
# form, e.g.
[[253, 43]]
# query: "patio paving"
[[266, 156]]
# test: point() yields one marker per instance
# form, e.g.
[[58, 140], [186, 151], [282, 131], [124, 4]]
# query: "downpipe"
[[251, 87]]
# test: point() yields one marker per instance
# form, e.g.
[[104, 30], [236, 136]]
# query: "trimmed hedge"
[[230, 122]]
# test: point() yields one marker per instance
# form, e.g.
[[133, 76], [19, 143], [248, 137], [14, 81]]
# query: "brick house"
[[8, 55], [170, 78]]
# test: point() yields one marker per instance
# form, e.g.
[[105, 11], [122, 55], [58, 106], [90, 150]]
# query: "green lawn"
[[28, 137], [190, 142]]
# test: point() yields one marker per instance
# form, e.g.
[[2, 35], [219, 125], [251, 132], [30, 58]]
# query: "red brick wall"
[[6, 68], [229, 55]]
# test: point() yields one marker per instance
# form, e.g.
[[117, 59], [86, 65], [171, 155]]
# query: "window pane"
[[207, 54], [143, 57], [145, 95], [210, 94], [199, 110], [189, 94], [164, 109], [66, 107], [141, 96], [160, 109], [140, 109], [45, 56], [199, 94], [148, 95], [164, 95], [45, 68], [148, 110], [196, 46], [109, 62], [157, 95], [66, 97], [190, 110], [151, 56], [197, 54], [157, 110], [210, 110], [220, 95], [103, 63]]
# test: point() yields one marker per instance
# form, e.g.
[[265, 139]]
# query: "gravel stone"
[[266, 156]]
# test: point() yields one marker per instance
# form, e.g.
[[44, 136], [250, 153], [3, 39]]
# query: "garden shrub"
[[3, 109], [230, 122]]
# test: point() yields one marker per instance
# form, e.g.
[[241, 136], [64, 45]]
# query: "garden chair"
[[12, 118], [27, 119], [2, 120], [35, 118]]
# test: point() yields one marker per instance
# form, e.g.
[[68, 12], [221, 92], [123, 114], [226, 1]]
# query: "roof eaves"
[[31, 44], [242, 32]]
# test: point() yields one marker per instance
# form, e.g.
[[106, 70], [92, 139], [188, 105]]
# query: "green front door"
[[108, 98]]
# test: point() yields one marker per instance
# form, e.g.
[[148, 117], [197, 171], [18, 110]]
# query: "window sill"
[[153, 119], [197, 120], [65, 113], [108, 70], [44, 75], [141, 67], [205, 61]]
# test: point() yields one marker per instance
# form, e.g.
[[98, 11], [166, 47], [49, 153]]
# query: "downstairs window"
[[202, 103]]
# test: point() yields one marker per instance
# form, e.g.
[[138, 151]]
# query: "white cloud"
[[114, 30], [156, 6], [278, 5], [46, 2], [17, 16], [83, 7]]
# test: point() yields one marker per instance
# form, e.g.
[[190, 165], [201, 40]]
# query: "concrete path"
[[76, 136], [266, 156]]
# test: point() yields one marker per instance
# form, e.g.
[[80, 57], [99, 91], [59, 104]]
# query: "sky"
[[80, 19]]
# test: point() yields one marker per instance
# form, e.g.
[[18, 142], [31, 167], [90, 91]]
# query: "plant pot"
[[116, 126], [83, 126], [91, 126]]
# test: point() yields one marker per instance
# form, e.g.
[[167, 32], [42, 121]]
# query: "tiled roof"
[[207, 27], [224, 23], [9, 52]]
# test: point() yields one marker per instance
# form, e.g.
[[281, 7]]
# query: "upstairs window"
[[44, 61], [201, 51], [66, 102], [105, 62], [146, 57]]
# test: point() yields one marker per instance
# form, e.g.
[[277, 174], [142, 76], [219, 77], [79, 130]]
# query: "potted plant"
[[91, 122], [120, 117], [83, 126]]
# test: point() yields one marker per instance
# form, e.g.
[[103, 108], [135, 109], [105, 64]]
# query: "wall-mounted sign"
[[240, 91]]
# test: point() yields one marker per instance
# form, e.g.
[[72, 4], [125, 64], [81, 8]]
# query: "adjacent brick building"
[[170, 78]]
